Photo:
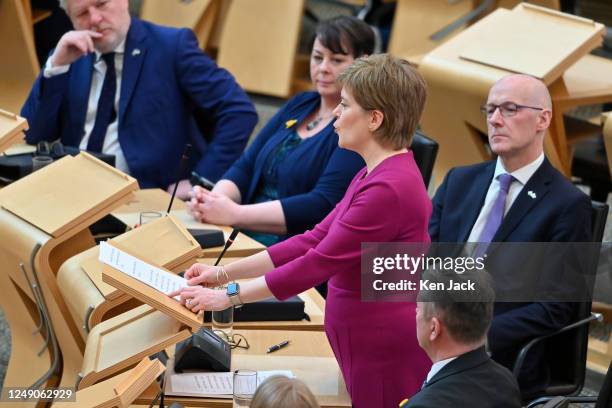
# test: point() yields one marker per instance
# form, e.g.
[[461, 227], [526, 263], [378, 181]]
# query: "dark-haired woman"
[[293, 173]]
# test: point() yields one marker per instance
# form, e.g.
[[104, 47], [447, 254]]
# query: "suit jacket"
[[470, 380], [171, 94], [559, 213]]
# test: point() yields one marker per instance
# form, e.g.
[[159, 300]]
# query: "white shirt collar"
[[523, 174], [437, 366], [120, 49]]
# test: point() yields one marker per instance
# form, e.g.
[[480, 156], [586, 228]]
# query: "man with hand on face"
[[519, 197], [141, 92]]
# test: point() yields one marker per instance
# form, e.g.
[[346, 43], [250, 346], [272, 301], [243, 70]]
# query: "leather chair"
[[425, 151], [566, 349], [603, 400]]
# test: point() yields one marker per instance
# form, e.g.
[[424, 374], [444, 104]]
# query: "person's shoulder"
[[562, 186], [303, 99], [471, 170]]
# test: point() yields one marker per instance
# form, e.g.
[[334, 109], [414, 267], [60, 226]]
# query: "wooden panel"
[[146, 294], [556, 41], [121, 342], [19, 66], [416, 20], [197, 15], [259, 43], [48, 198], [103, 394], [11, 129]]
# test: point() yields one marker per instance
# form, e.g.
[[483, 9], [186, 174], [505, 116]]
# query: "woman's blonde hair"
[[394, 87], [280, 392]]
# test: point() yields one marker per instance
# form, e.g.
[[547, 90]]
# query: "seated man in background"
[[453, 333], [519, 197], [141, 92]]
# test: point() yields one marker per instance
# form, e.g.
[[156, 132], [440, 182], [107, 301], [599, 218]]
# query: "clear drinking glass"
[[38, 162], [223, 321], [245, 385], [148, 216]]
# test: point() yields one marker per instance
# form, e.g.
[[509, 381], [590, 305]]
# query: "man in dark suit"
[[140, 91], [519, 197], [452, 333]]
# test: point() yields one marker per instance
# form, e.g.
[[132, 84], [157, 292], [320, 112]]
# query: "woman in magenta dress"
[[374, 342]]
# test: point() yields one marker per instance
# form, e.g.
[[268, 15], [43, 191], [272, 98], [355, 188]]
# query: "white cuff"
[[51, 71]]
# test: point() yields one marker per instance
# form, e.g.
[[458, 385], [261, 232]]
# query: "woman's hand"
[[212, 207], [205, 275], [197, 298]]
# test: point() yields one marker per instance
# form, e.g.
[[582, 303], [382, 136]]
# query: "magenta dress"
[[375, 343]]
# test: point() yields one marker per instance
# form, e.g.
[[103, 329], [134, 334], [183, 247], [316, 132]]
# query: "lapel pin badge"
[[531, 194], [135, 52]]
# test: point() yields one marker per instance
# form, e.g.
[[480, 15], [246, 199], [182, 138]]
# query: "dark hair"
[[346, 35], [467, 315]]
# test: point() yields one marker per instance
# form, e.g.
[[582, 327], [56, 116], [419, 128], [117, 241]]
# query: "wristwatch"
[[233, 292]]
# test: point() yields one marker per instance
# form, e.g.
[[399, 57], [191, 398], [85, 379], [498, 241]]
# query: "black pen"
[[278, 346]]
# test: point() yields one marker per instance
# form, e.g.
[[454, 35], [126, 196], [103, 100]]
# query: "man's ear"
[[376, 120], [544, 119], [435, 328]]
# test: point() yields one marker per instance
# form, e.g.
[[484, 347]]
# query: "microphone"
[[184, 159], [228, 244]]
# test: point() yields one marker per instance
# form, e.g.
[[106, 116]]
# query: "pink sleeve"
[[297, 245], [373, 216]]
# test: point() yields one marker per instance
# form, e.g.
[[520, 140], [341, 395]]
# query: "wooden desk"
[[157, 200], [458, 87], [309, 357]]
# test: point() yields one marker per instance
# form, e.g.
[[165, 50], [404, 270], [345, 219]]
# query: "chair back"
[[568, 372], [425, 151]]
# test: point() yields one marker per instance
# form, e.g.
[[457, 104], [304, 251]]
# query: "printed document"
[[153, 276]]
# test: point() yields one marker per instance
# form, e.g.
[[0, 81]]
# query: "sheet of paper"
[[203, 383], [264, 375], [153, 276]]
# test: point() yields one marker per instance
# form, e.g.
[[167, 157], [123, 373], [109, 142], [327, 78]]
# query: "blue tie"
[[496, 215], [105, 113]]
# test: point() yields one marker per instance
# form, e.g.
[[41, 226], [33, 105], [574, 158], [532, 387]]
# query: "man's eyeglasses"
[[507, 109]]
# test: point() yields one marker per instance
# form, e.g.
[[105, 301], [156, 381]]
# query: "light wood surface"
[[198, 15], [555, 41], [26, 241], [308, 356], [457, 88], [259, 43], [121, 342], [19, 66], [47, 198], [146, 294], [112, 392], [416, 20], [11, 129]]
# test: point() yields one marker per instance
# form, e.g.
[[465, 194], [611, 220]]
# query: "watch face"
[[232, 289]]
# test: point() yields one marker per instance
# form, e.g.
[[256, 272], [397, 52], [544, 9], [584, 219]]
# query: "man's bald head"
[[517, 135], [531, 89]]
